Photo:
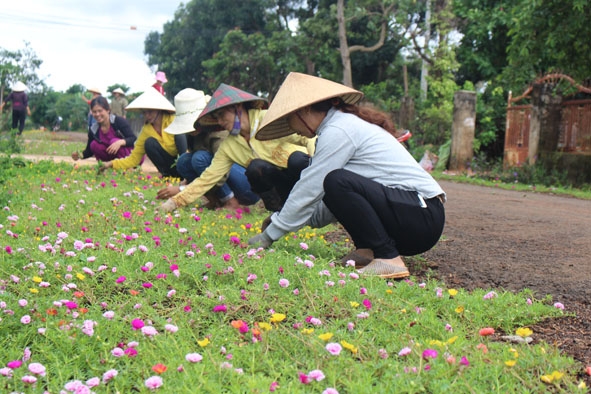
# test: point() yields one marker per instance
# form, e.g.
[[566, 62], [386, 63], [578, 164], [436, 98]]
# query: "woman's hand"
[[167, 206], [167, 192], [115, 146], [104, 166]]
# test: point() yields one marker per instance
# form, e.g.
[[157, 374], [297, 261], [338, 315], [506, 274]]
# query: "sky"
[[93, 43]]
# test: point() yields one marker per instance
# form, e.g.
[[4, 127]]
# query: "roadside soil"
[[507, 240]]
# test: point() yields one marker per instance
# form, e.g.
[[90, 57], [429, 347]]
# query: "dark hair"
[[100, 101], [366, 112]]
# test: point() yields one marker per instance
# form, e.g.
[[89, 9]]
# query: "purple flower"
[[334, 348], [154, 382], [137, 324], [193, 357], [429, 353], [404, 352], [220, 308]]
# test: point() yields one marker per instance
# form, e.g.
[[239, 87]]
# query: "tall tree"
[[194, 35]]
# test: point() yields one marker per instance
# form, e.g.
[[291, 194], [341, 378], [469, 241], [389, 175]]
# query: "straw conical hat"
[[19, 87], [188, 103], [151, 99], [298, 91], [94, 90], [119, 90], [224, 96]]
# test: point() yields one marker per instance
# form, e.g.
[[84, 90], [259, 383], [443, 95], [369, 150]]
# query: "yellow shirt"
[[139, 150], [235, 149]]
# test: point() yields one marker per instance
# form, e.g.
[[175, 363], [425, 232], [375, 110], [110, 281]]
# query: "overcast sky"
[[93, 43]]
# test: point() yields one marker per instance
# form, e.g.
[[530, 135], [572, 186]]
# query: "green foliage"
[[10, 143], [90, 256]]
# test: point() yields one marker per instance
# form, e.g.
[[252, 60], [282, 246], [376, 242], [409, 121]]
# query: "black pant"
[[265, 177], [18, 119], [389, 221], [164, 162]]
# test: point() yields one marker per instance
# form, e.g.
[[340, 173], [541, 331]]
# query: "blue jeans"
[[191, 165]]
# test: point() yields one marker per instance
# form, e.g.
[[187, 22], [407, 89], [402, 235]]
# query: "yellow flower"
[[326, 336], [435, 342], [37, 279], [307, 331], [349, 347], [354, 304], [388, 291], [452, 292], [204, 342], [80, 276], [552, 377], [460, 309], [582, 385], [265, 326], [524, 332], [403, 310], [510, 363], [277, 317], [452, 339], [34, 291], [514, 351]]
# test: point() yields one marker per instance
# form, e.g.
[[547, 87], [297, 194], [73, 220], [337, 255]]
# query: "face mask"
[[236, 128]]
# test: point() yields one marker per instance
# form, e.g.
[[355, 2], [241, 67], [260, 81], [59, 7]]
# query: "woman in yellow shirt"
[[161, 148], [272, 167]]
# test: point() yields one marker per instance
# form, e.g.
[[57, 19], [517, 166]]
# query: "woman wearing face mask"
[[110, 137], [271, 167], [160, 147], [361, 176]]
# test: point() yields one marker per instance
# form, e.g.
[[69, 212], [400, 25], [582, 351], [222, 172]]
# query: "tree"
[[194, 35], [346, 50]]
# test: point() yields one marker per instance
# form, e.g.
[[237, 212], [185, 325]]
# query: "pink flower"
[[109, 375], [464, 361], [273, 386], [130, 352], [127, 215], [14, 364], [137, 324], [29, 379], [334, 348], [193, 357], [26, 319], [330, 390], [149, 331], [490, 295], [317, 375], [227, 257], [429, 353], [93, 382], [559, 305], [283, 282], [6, 372], [37, 369], [147, 285], [304, 245], [220, 308], [171, 328], [154, 382], [117, 352], [305, 379], [404, 352], [367, 304]]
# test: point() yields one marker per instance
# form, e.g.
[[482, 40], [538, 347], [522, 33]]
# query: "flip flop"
[[384, 270], [360, 261]]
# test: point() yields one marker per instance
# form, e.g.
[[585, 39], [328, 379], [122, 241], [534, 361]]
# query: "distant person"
[[110, 138], [203, 142], [160, 81], [119, 103], [20, 106], [161, 148], [95, 93]]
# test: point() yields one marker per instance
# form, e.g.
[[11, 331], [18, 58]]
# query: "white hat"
[[119, 90], [151, 99], [298, 91], [95, 90], [19, 87], [188, 103]]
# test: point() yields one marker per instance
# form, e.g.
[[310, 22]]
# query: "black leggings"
[[18, 119], [264, 176], [164, 162], [389, 221]]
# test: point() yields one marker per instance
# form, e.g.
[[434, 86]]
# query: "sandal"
[[360, 261], [384, 270]]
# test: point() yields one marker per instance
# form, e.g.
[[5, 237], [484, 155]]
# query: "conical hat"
[[95, 90], [224, 96], [298, 91], [188, 103], [119, 90], [19, 87], [151, 99]]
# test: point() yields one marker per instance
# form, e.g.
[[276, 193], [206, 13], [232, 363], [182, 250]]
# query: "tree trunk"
[[343, 45], [425, 65]]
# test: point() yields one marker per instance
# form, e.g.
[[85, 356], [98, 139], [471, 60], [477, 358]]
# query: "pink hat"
[[160, 76]]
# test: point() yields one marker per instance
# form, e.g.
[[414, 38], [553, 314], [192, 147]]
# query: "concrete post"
[[462, 131], [544, 128]]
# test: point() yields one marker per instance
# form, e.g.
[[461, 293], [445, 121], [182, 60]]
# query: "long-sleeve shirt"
[[235, 149], [139, 149], [122, 130], [345, 141]]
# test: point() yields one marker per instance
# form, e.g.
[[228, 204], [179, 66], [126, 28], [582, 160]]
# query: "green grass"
[[37, 142], [77, 247]]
